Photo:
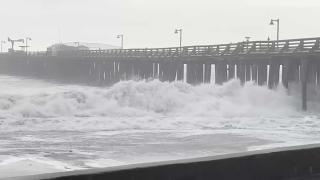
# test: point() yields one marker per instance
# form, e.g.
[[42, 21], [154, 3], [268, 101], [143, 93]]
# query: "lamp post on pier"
[[272, 23], [27, 38], [121, 40], [1, 45], [176, 32], [247, 38]]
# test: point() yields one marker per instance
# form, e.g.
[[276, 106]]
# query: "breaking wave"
[[155, 98]]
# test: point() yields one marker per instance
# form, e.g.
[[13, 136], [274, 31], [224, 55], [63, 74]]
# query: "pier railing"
[[291, 46]]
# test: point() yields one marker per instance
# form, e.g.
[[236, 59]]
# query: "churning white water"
[[66, 127]]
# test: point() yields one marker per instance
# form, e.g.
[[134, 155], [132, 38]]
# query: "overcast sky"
[[151, 23]]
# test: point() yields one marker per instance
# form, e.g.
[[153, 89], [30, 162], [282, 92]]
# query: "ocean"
[[51, 127]]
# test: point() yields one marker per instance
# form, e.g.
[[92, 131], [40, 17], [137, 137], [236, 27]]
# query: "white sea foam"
[[154, 98], [130, 105], [54, 163]]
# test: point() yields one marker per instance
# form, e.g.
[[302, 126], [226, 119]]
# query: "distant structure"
[[12, 44], [72, 46], [92, 46]]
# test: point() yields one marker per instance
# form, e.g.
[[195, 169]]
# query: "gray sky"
[[151, 23]]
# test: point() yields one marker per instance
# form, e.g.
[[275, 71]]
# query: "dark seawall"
[[299, 162]]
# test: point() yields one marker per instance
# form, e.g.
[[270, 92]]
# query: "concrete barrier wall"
[[277, 164]]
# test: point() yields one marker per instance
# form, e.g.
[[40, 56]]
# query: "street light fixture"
[[121, 40], [176, 32], [272, 23], [1, 45], [27, 38]]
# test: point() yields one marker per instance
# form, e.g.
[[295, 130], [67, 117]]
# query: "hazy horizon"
[[151, 23]]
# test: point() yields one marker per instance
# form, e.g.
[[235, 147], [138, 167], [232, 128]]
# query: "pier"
[[298, 60]]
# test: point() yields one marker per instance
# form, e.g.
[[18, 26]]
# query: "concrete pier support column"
[[231, 69], [92, 74], [199, 72], [102, 73], [221, 72], [129, 70], [156, 70], [217, 75], [83, 68], [142, 69], [312, 72], [207, 72], [160, 75], [238, 67], [125, 65], [77, 70], [293, 65], [188, 73], [116, 72], [262, 73], [304, 64], [76, 67], [271, 75], [285, 73], [224, 71], [99, 72], [274, 70], [173, 68], [248, 71], [180, 72], [242, 71], [318, 73], [165, 71], [254, 72], [148, 69], [191, 73], [121, 70], [135, 69], [106, 72], [169, 71], [277, 74], [112, 68]]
